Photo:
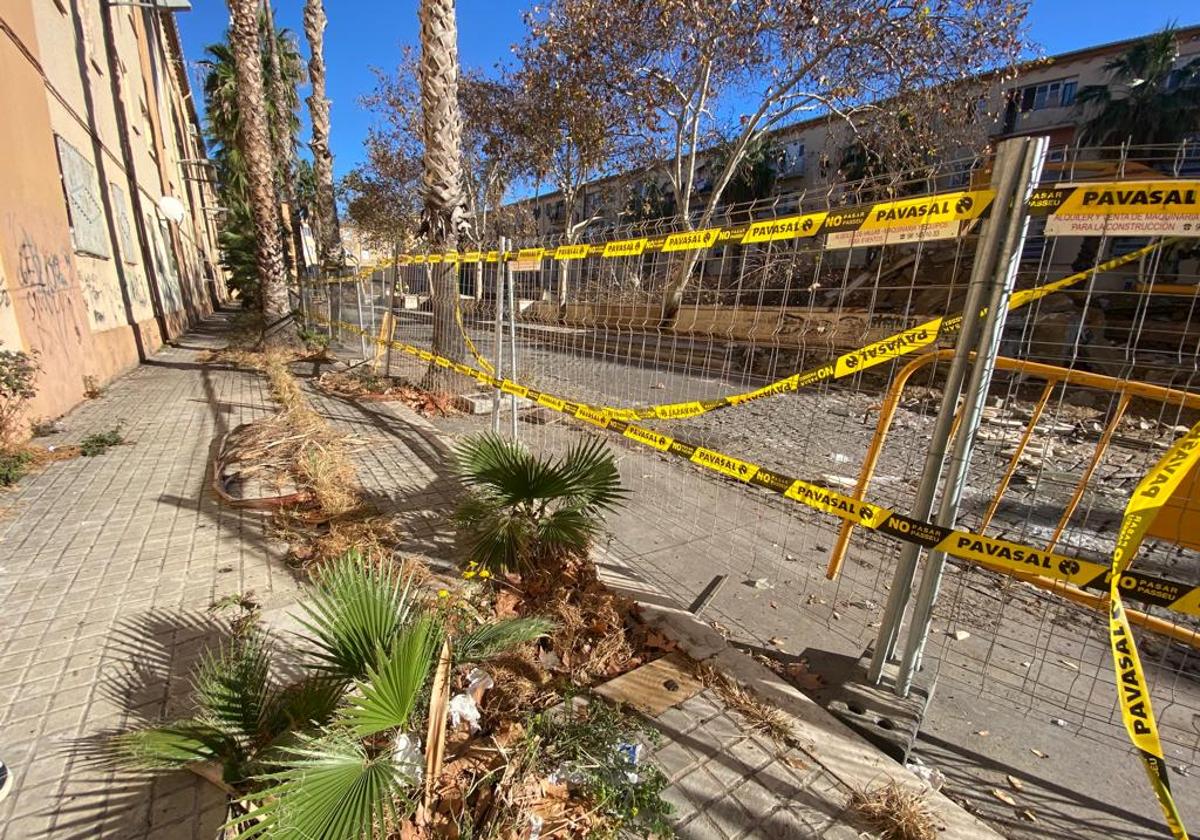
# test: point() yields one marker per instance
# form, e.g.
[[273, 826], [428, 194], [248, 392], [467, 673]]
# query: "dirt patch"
[[364, 384]]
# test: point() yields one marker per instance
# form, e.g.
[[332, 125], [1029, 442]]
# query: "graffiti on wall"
[[44, 288]]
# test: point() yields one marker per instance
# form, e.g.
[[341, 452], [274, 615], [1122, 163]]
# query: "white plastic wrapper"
[[408, 756], [465, 706]]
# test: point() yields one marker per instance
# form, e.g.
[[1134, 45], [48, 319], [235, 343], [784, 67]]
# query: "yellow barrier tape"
[[1151, 494], [1114, 200], [962, 544], [895, 346]]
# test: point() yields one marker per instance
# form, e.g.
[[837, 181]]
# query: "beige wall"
[[86, 280]]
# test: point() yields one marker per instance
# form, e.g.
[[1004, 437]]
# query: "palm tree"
[[325, 756], [223, 129], [1147, 99], [254, 138], [444, 216], [329, 242], [283, 71], [523, 511]]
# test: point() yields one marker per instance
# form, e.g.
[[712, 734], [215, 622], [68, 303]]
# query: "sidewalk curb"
[[830, 743]]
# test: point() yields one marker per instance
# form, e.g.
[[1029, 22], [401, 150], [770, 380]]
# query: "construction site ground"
[[1023, 722]]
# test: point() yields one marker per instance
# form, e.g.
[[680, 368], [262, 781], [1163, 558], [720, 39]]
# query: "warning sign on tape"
[[1111, 208], [1127, 208], [911, 220]]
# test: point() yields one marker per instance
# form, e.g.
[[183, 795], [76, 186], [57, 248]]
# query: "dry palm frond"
[[760, 716], [896, 813]]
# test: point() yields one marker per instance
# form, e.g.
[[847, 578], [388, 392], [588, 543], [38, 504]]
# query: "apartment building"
[[107, 207], [1042, 100]]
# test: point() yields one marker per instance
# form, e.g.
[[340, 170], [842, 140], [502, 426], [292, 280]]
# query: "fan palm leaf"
[[387, 697], [171, 746], [330, 788], [521, 506], [490, 640], [353, 612], [232, 688]]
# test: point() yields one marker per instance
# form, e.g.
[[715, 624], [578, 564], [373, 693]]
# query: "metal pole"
[[499, 336], [329, 310], [1003, 177], [1033, 155], [362, 329], [512, 345], [391, 310]]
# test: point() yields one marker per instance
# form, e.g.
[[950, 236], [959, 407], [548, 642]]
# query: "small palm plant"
[[328, 756], [522, 510]]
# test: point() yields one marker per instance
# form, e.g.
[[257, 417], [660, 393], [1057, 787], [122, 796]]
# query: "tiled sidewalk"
[[107, 566]]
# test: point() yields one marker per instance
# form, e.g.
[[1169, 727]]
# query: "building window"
[[1057, 94], [128, 249], [85, 211], [791, 160]]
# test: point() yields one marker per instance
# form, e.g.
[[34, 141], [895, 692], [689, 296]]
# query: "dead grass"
[[299, 442], [896, 813], [40, 456], [314, 543], [760, 715]]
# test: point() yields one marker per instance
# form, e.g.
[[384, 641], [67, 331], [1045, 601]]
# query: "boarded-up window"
[[84, 208], [128, 249]]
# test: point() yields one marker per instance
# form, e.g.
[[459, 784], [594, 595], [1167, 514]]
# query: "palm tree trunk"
[[444, 218], [255, 141], [329, 242], [281, 147]]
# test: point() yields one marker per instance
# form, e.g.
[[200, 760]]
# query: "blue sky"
[[366, 33]]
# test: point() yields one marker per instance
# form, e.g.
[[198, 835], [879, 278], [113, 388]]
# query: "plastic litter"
[[408, 757], [465, 706], [929, 775], [632, 754]]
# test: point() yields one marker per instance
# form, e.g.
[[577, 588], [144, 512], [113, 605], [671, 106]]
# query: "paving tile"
[[99, 541]]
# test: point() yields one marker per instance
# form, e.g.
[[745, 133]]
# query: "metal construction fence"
[[1042, 416]]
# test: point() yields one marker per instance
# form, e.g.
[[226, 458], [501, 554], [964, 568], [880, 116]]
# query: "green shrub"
[[100, 442], [13, 465], [18, 375], [522, 510], [594, 747], [324, 753]]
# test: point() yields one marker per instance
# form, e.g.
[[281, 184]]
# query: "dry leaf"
[[795, 761], [1003, 796], [1028, 816], [799, 674], [507, 602], [1014, 782]]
